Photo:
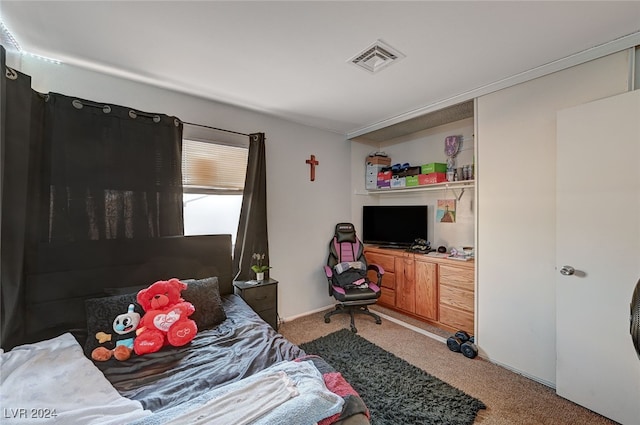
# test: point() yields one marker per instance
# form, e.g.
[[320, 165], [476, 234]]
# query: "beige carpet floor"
[[510, 397]]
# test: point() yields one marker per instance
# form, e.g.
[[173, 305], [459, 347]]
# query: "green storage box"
[[434, 167], [411, 181]]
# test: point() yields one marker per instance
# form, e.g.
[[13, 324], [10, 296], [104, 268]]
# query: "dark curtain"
[[21, 115], [113, 172], [252, 228], [73, 170]]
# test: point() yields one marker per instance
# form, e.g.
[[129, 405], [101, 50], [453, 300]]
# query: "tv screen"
[[394, 225]]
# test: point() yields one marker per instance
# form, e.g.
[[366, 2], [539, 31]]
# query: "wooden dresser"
[[436, 290]]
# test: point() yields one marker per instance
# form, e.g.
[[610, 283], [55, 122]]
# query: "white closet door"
[[598, 235]]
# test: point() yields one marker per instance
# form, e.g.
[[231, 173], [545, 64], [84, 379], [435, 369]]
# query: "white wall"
[[301, 214], [516, 210], [417, 149]]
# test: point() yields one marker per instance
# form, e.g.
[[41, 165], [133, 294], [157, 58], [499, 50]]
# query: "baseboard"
[[413, 328], [521, 373], [384, 316], [297, 316]]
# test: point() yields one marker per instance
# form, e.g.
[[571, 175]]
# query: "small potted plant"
[[258, 267]]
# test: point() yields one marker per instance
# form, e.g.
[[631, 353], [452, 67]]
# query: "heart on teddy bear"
[[164, 321]]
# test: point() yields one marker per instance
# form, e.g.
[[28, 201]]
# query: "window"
[[208, 167], [206, 214], [213, 175]]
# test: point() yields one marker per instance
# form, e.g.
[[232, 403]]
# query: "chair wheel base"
[[351, 311]]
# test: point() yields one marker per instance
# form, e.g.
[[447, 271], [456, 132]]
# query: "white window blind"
[[212, 167]]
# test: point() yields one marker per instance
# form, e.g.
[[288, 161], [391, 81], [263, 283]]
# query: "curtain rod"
[[215, 128], [106, 108]]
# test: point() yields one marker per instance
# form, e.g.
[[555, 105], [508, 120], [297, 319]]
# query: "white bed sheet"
[[52, 382], [312, 403]]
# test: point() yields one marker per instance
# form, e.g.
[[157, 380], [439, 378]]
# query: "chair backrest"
[[345, 246]]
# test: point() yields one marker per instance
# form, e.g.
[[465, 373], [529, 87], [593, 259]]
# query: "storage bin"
[[411, 171], [411, 181], [379, 160], [432, 178], [384, 184], [433, 167], [371, 176], [398, 181], [384, 175]]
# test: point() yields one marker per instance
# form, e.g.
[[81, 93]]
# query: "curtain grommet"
[[11, 74]]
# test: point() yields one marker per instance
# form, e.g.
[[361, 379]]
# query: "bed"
[[236, 370]]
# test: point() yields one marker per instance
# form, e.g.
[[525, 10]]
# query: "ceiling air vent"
[[377, 56]]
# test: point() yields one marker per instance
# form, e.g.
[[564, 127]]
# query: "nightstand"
[[262, 297]]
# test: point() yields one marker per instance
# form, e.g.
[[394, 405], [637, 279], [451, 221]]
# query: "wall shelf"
[[462, 184]]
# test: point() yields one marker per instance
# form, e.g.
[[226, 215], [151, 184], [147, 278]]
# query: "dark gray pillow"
[[101, 312], [204, 294]]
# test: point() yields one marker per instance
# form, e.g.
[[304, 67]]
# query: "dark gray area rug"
[[395, 391]]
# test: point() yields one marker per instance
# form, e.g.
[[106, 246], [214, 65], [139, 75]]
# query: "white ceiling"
[[290, 59]]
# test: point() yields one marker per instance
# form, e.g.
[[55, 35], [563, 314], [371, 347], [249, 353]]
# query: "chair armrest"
[[379, 272], [329, 272], [378, 269]]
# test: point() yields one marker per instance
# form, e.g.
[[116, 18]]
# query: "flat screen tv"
[[394, 226]]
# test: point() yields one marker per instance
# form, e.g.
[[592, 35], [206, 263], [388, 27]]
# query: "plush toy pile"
[[165, 322]]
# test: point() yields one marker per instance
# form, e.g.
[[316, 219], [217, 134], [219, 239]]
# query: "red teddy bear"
[[166, 319]]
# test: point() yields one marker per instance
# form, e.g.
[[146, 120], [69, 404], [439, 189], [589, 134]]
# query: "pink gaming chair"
[[346, 272]]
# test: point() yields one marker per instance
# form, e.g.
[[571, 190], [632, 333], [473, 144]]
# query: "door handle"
[[567, 271]]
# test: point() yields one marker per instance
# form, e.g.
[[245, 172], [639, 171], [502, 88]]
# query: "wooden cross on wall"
[[312, 162]]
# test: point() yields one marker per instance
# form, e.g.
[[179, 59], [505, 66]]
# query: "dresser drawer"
[[385, 261], [456, 276], [388, 279], [387, 297], [457, 319], [456, 297]]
